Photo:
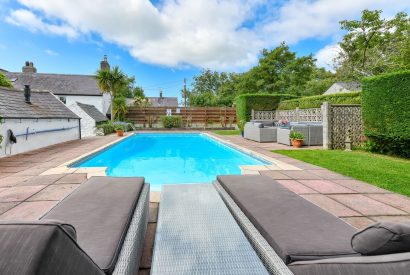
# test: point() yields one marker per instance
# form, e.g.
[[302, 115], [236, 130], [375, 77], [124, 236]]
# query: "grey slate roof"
[[58, 84], [92, 112], [163, 101], [43, 105], [343, 87]]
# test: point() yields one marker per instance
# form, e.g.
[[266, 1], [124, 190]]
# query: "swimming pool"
[[170, 158]]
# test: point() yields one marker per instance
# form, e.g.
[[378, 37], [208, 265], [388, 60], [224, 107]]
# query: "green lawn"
[[386, 172], [227, 132]]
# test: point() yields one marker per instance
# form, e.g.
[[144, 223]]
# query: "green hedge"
[[316, 101], [261, 102], [386, 113], [171, 121]]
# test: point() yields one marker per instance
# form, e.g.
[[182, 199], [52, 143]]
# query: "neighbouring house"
[[36, 119], [162, 101], [69, 88], [343, 87], [90, 117]]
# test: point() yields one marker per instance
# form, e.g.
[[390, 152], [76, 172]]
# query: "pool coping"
[[65, 168]]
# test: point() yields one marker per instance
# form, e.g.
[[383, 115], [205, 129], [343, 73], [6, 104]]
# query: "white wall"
[[106, 103], [38, 140], [87, 123]]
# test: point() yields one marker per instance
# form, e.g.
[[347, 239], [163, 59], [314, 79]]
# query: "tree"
[[373, 45], [4, 82], [211, 88], [278, 71], [112, 82]]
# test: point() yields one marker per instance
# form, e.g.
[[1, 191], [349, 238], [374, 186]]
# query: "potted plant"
[[119, 129], [297, 139]]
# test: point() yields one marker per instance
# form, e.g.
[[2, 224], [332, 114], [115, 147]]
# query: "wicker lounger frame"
[[270, 259], [131, 250]]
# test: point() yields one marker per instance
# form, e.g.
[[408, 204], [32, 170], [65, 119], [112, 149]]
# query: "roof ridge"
[[88, 75]]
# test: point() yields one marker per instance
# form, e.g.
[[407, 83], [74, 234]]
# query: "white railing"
[[297, 115]]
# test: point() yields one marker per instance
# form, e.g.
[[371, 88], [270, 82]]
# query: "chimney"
[[27, 94], [29, 68], [104, 65], [160, 94]]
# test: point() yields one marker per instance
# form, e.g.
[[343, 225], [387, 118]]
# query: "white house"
[[343, 87], [69, 88], [36, 119], [90, 116]]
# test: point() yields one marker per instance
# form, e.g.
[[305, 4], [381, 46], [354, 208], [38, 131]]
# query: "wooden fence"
[[191, 116]]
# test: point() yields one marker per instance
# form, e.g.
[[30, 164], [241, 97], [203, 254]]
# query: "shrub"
[[4, 82], [316, 101], [296, 135], [386, 113], [260, 102], [107, 127], [171, 121], [119, 127]]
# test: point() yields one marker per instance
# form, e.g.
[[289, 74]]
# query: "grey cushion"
[[100, 210], [382, 238], [391, 264], [42, 247], [295, 228]]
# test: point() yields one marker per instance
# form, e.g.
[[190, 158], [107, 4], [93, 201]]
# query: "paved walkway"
[[25, 195]]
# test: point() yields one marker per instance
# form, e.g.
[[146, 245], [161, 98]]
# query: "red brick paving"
[[330, 205], [326, 187], [296, 187]]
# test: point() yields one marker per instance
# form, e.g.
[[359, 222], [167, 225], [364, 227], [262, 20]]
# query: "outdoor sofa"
[[294, 236], [260, 131], [313, 133], [98, 229]]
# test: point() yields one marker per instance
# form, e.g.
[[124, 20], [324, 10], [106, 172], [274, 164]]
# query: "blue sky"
[[163, 42]]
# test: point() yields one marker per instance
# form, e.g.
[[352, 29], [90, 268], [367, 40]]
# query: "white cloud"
[[202, 33], [326, 56], [27, 19], [51, 52]]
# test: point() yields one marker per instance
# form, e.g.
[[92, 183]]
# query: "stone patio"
[[25, 194]]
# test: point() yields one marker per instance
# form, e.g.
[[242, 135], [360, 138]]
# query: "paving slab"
[[153, 212], [360, 186], [72, 178], [276, 175], [41, 180], [392, 218], [395, 200], [20, 193], [12, 180], [301, 175], [149, 240], [366, 205], [326, 187], [5, 206], [296, 187], [358, 222], [28, 211], [330, 205], [54, 192], [329, 175]]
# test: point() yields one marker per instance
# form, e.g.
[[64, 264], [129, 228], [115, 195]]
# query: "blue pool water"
[[170, 158]]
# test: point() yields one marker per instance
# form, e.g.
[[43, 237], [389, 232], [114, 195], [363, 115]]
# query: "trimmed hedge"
[[316, 101], [386, 113], [171, 121], [261, 102]]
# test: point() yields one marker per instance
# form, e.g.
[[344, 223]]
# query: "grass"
[[383, 171], [227, 132]]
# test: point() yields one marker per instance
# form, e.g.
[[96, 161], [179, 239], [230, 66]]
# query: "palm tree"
[[111, 81]]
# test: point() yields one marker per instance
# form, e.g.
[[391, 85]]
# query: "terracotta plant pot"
[[297, 143], [120, 133]]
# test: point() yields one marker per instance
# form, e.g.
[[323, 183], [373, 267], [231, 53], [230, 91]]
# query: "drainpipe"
[[79, 127]]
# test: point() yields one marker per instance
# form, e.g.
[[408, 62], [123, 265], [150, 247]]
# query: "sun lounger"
[[98, 229], [291, 234]]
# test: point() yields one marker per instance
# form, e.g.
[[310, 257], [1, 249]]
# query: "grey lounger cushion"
[[391, 264], [42, 247], [295, 228], [100, 210], [382, 238]]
